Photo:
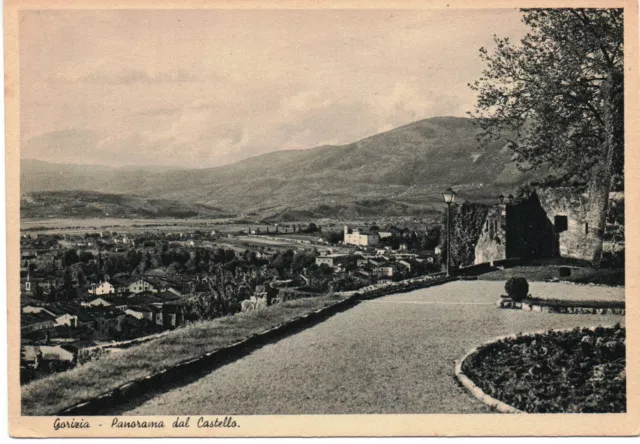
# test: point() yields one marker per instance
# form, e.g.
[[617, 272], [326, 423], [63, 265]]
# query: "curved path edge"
[[477, 392]]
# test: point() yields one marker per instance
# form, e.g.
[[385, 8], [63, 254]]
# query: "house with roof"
[[144, 298], [146, 312], [166, 297], [114, 302], [102, 288], [60, 314], [356, 237], [172, 315], [386, 271], [121, 284], [331, 259], [144, 284], [83, 319], [96, 302], [31, 322], [109, 322]]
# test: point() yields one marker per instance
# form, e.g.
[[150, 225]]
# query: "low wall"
[[209, 361], [570, 307]]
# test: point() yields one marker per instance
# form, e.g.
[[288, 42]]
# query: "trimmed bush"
[[517, 288]]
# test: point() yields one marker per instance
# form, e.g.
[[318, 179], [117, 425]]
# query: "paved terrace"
[[393, 354]]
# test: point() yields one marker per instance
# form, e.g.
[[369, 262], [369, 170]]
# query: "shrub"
[[517, 288]]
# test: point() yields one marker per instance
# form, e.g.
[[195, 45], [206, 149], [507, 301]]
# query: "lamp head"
[[449, 196]]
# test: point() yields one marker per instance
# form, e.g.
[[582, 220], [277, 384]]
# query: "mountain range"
[[398, 172]]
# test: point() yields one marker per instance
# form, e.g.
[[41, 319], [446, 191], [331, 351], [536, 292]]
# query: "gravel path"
[[389, 355]]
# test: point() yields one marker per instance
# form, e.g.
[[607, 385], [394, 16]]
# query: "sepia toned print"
[[361, 220]]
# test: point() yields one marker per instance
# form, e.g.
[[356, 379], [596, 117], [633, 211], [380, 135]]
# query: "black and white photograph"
[[233, 214]]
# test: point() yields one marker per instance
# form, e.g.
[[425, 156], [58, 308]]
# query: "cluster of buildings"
[[381, 263], [115, 309], [57, 329]]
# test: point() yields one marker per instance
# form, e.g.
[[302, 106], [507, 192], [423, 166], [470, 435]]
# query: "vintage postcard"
[[346, 218]]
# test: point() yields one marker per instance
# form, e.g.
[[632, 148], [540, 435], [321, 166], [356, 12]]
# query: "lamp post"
[[449, 197]]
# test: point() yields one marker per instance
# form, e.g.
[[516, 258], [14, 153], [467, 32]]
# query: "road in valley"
[[393, 354]]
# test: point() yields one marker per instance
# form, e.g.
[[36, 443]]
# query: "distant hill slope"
[[405, 168], [85, 204]]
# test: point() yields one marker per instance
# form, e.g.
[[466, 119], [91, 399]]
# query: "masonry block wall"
[[550, 223], [569, 213]]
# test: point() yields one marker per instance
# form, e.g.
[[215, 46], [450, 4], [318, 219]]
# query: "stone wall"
[[577, 240], [492, 243], [552, 222]]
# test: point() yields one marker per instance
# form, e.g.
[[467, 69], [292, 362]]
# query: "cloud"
[[128, 77], [205, 88]]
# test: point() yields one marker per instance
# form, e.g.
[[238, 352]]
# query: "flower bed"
[[580, 371]]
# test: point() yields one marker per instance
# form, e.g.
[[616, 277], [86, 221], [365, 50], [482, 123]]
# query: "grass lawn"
[[612, 277], [49, 395]]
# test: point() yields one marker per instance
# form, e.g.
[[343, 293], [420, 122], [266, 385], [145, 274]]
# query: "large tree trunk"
[[600, 184]]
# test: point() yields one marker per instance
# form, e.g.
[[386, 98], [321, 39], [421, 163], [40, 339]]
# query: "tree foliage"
[[466, 226], [547, 95]]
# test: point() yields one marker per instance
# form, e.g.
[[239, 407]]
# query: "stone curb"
[[477, 392], [403, 288], [135, 387], [616, 308]]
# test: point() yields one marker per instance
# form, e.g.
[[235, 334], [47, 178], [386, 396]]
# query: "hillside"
[[404, 169], [86, 204]]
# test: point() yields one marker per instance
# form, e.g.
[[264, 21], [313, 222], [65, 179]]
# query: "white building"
[[142, 285], [331, 259], [102, 288], [355, 237]]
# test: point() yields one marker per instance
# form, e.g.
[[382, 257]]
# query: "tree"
[[85, 256], [311, 228], [557, 98], [431, 238], [70, 257], [80, 278], [333, 237], [466, 225]]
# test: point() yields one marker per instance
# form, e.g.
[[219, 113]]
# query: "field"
[[281, 242], [122, 225]]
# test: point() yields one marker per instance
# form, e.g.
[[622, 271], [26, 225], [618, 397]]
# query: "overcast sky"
[[207, 88]]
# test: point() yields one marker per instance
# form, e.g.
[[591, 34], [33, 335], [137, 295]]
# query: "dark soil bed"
[[541, 273], [581, 371], [574, 303]]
